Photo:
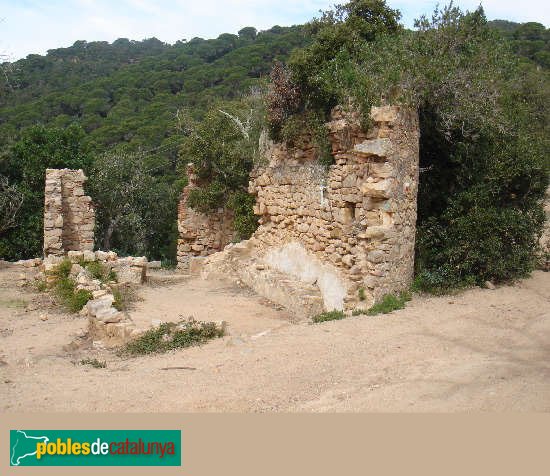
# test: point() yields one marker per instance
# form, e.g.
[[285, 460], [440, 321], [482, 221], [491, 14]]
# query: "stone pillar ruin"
[[544, 242], [200, 234], [336, 237], [69, 217], [348, 228]]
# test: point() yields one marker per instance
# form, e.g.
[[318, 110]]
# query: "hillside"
[[529, 40], [129, 91], [128, 96]]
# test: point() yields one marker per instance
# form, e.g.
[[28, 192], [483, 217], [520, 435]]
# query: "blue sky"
[[34, 26]]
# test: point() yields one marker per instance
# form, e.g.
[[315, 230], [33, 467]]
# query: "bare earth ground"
[[480, 350]]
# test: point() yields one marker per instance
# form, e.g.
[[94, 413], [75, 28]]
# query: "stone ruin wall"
[[69, 218], [200, 234], [352, 226]]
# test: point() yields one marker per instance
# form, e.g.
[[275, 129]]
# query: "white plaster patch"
[[293, 259]]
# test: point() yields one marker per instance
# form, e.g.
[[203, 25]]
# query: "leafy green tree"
[[339, 33], [223, 148], [136, 205], [25, 166], [484, 128], [248, 32]]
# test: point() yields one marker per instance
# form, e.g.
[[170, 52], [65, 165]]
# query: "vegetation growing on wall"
[[223, 149], [128, 99], [484, 128], [481, 90]]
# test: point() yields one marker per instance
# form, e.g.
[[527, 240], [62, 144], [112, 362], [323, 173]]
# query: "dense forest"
[[131, 113], [130, 91], [124, 106]]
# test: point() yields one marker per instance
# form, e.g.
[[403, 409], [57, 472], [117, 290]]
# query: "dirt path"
[[480, 350]]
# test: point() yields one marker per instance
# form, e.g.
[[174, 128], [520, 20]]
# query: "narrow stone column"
[[69, 217]]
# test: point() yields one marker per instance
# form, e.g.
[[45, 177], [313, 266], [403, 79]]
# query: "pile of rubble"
[[106, 322]]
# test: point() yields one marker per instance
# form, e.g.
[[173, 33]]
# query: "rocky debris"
[[99, 293], [106, 324], [29, 263], [131, 270], [96, 306]]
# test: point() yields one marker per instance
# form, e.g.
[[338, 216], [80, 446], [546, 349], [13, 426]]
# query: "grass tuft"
[[389, 303], [170, 336], [64, 288], [99, 271], [328, 316]]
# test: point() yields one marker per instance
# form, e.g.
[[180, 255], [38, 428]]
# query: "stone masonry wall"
[[69, 217], [544, 258], [349, 229], [200, 234]]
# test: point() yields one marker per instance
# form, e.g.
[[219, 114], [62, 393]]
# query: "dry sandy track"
[[480, 350]]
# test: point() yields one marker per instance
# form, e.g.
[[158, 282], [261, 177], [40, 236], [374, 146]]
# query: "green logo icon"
[[95, 447]]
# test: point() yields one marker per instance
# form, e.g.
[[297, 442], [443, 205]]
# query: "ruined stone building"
[[335, 238], [201, 234], [69, 217]]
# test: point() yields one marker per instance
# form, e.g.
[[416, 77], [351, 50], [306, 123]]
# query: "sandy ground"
[[480, 350]]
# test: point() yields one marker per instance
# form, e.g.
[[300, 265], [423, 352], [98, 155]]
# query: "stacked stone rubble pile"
[[106, 324]]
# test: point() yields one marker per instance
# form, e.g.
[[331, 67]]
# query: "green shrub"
[[390, 303], [94, 363], [362, 294], [41, 285], [170, 336], [63, 269], [245, 223], [207, 198], [328, 316], [99, 271], [64, 288], [79, 299], [308, 126], [74, 300]]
